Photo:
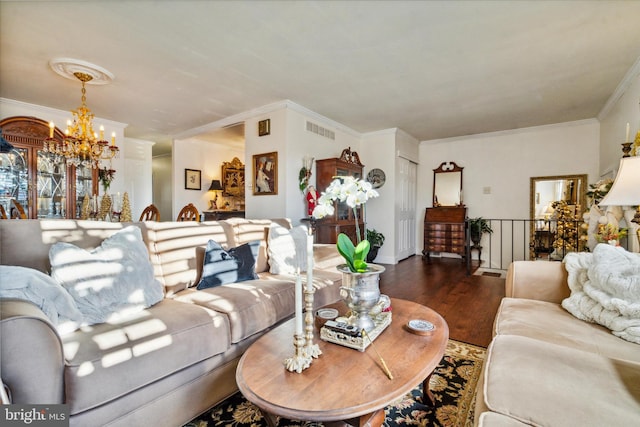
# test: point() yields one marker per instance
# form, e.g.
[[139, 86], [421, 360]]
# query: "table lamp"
[[215, 187], [625, 190]]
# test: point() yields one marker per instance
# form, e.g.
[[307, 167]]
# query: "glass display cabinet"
[[343, 220], [44, 186]]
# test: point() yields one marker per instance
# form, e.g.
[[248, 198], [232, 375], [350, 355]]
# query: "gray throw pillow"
[[221, 266], [112, 280]]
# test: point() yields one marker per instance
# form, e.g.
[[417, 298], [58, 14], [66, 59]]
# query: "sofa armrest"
[[538, 280], [31, 354]]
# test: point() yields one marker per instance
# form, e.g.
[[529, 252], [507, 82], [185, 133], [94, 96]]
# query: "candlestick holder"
[[311, 349], [300, 360], [626, 149]]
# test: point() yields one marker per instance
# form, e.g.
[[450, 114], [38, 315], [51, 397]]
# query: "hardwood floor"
[[467, 303]]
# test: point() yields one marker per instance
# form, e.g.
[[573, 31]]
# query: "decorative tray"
[[360, 343]]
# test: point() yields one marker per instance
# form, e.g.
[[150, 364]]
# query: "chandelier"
[[81, 145]]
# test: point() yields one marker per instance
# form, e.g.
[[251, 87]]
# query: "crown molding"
[[627, 81], [511, 131], [266, 109], [381, 132], [45, 112], [319, 117]]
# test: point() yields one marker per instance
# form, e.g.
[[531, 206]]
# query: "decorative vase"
[[361, 292]]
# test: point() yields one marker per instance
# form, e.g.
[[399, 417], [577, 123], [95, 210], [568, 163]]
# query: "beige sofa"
[[545, 367], [166, 364]]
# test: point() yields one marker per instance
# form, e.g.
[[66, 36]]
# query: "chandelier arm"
[[81, 145]]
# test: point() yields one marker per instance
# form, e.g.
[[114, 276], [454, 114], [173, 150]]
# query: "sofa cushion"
[[240, 231], [287, 249], [173, 250], [113, 278], [325, 282], [250, 306], [139, 350], [42, 233], [234, 265], [493, 419], [550, 323], [554, 385]]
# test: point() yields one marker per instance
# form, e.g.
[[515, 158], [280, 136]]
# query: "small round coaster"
[[324, 314], [420, 327]]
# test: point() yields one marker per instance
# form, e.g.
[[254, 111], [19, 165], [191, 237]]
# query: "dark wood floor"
[[467, 303]]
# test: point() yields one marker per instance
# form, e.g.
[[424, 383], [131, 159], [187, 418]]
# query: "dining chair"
[[150, 213], [3, 213], [19, 212], [189, 213]]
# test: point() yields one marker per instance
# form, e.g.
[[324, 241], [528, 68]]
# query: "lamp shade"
[[625, 190], [215, 185]]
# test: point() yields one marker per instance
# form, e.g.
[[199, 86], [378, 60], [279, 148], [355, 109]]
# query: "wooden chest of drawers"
[[444, 230]]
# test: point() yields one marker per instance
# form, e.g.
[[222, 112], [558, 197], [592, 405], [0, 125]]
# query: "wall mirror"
[[544, 190], [447, 185], [233, 178]]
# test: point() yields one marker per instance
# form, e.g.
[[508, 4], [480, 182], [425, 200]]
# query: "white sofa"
[[161, 366], [545, 367]]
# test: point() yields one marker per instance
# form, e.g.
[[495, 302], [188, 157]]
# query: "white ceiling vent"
[[317, 129]]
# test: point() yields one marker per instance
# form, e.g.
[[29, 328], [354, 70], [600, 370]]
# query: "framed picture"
[[192, 179], [265, 174], [264, 127], [233, 178]]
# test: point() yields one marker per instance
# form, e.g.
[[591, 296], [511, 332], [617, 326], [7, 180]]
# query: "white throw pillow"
[[287, 249], [113, 279], [35, 286]]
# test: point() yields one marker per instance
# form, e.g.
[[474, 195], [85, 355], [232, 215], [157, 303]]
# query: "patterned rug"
[[453, 385]]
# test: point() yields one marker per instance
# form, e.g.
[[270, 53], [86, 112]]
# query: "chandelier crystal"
[[81, 146]]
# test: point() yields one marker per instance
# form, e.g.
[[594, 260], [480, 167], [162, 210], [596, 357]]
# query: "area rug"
[[453, 385]]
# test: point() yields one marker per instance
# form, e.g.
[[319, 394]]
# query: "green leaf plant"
[[354, 255]]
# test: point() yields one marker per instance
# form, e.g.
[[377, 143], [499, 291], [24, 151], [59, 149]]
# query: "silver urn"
[[361, 292]]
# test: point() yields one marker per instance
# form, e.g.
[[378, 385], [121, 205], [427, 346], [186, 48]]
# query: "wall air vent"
[[319, 130]]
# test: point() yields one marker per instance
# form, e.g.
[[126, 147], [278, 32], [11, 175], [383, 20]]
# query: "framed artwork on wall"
[[264, 127], [233, 178], [192, 179], [265, 174]]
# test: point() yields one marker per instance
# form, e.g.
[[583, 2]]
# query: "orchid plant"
[[354, 192]]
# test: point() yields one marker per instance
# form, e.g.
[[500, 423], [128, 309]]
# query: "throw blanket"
[[605, 289], [34, 286]]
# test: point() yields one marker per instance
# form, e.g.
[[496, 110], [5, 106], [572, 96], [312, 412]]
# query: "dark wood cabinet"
[[343, 219], [222, 214], [45, 187], [444, 230]]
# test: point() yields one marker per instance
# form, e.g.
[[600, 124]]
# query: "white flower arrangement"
[[354, 192]]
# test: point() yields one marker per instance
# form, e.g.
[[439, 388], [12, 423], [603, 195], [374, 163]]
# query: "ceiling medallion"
[[68, 68]]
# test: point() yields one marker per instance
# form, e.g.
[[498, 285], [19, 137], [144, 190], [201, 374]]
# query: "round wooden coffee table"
[[343, 384]]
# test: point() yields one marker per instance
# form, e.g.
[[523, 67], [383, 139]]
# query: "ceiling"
[[435, 69]]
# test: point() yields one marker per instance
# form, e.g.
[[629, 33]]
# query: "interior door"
[[406, 182]]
